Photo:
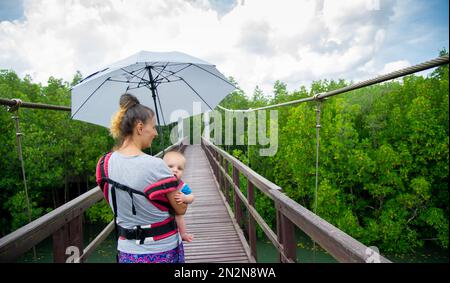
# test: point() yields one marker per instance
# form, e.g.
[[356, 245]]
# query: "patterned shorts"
[[173, 256]]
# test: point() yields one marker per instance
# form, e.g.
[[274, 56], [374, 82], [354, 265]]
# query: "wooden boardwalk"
[[217, 237]]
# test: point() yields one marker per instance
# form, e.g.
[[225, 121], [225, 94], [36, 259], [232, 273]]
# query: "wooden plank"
[[70, 234], [215, 241], [203, 226], [228, 260], [251, 220], [97, 241], [215, 236], [209, 256], [237, 228], [192, 247], [203, 252], [286, 235], [237, 203], [208, 237]]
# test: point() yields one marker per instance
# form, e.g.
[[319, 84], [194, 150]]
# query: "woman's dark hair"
[[130, 113]]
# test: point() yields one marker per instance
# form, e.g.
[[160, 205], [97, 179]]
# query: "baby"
[[176, 162]]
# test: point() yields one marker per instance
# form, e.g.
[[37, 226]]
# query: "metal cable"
[[393, 75]]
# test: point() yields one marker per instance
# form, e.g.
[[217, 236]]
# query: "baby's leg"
[[182, 228]]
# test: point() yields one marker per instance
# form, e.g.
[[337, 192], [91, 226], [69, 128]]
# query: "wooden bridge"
[[222, 233], [218, 237], [223, 217]]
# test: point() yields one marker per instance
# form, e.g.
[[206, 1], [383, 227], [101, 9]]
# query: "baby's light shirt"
[[186, 190]]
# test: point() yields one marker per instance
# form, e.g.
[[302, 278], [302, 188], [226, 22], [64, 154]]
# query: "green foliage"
[[59, 153], [17, 206], [100, 212], [383, 166]]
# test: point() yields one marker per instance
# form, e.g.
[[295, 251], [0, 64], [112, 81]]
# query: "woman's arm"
[[180, 208]]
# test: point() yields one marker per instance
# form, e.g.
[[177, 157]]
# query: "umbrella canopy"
[[163, 81]]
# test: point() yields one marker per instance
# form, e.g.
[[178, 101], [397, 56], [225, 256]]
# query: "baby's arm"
[[188, 198], [182, 198]]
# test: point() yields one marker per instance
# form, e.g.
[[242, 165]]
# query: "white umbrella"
[[163, 81]]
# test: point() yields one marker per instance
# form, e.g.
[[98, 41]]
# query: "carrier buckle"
[[139, 235]]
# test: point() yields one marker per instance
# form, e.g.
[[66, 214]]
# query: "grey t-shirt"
[[138, 172]]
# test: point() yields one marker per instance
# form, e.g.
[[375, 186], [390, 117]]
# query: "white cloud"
[[257, 42], [394, 66]]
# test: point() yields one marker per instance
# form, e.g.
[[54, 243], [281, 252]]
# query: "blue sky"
[[256, 42], [426, 21], [11, 10]]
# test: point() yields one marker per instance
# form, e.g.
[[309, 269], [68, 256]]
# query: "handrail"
[[18, 242], [19, 103], [340, 245], [97, 241], [256, 179], [13, 245]]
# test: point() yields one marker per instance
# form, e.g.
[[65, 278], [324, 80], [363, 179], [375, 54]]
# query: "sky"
[[257, 42]]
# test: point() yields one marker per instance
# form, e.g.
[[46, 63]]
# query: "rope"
[[22, 165], [393, 75], [18, 102], [317, 152], [317, 165], [15, 102]]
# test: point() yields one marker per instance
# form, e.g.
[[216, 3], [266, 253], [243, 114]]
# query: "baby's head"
[[176, 162]]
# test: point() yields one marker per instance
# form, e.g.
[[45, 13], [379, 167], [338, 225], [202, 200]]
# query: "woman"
[[140, 189]]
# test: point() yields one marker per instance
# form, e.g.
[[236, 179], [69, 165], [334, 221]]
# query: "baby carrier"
[[154, 193]]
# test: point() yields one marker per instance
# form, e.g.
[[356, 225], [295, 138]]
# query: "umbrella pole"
[[153, 89], [161, 132]]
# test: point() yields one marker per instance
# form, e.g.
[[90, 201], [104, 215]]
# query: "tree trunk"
[[54, 198]]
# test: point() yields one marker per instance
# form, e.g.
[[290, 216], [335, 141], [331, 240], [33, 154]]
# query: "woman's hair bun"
[[127, 101]]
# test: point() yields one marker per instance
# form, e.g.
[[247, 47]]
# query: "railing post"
[[251, 220], [68, 235], [221, 176], [237, 203], [214, 163], [216, 158], [227, 184], [286, 236]]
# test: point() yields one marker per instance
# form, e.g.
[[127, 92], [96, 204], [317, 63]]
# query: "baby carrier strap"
[[102, 174], [149, 233], [155, 193]]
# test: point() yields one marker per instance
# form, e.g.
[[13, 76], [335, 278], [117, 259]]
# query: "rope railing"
[[18, 103], [439, 61]]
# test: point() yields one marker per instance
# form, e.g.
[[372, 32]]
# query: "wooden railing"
[[289, 213], [64, 224]]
